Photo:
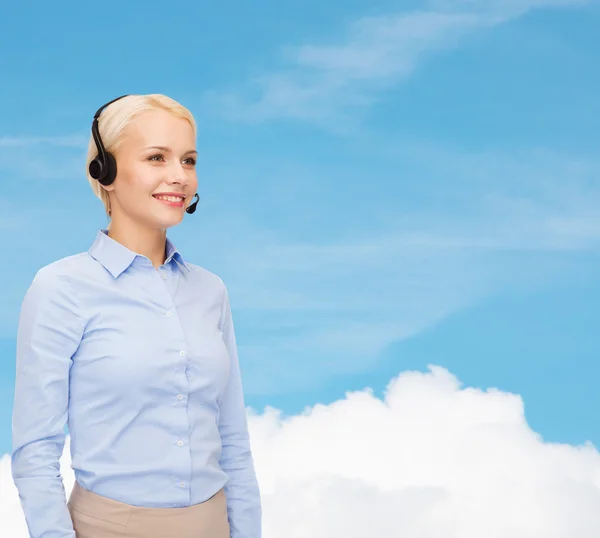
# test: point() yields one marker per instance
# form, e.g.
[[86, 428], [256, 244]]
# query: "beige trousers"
[[95, 516]]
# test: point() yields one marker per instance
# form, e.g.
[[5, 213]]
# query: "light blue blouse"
[[142, 365]]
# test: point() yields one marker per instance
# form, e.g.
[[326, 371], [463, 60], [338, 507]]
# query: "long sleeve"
[[48, 335], [242, 490]]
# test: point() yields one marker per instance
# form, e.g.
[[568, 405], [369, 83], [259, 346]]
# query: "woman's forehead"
[[161, 129]]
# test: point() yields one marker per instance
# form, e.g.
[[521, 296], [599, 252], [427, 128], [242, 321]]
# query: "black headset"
[[104, 167]]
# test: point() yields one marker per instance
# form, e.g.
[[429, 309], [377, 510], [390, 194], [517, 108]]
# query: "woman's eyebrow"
[[168, 150]]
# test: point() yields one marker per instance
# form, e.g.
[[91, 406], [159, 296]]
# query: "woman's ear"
[[108, 188]]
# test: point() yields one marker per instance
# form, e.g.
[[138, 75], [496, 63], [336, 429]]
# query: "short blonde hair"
[[112, 123]]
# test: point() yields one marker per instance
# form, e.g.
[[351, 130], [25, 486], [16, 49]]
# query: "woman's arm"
[[49, 332], [242, 491]]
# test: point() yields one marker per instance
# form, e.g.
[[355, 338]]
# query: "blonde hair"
[[112, 123]]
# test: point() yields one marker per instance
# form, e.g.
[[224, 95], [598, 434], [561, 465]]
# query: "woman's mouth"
[[170, 200]]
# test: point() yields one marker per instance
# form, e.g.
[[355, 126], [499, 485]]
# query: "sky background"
[[390, 190]]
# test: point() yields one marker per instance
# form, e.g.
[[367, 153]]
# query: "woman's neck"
[[140, 239]]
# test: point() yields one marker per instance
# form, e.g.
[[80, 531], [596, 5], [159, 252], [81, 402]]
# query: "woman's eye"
[[158, 157]]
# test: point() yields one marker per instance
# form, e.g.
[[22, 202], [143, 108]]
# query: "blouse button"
[[179, 443], [169, 314]]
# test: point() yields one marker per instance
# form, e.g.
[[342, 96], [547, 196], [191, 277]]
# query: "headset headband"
[[103, 167]]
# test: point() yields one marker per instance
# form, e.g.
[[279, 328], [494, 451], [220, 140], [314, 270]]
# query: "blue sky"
[[384, 185]]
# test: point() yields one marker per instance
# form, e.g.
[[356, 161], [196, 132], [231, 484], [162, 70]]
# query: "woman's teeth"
[[170, 198]]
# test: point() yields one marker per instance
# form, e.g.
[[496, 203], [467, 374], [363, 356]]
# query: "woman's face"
[[157, 155]]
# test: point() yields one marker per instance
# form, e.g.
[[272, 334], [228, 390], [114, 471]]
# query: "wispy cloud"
[[354, 284], [43, 157], [338, 293], [320, 82], [504, 224], [70, 141]]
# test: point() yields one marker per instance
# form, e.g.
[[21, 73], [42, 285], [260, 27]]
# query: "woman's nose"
[[177, 173]]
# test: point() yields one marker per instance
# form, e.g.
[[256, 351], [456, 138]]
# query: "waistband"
[[94, 505]]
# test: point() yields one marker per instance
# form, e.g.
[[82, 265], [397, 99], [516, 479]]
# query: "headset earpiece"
[[104, 173]]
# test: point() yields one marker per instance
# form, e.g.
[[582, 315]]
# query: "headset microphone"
[[192, 206]]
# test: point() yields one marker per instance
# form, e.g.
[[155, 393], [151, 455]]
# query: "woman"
[[133, 347]]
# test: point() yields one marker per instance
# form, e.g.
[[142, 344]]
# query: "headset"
[[103, 167]]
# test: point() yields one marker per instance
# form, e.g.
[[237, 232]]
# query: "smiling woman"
[[133, 348]]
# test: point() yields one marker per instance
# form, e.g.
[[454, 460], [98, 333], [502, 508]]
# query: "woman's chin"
[[160, 222]]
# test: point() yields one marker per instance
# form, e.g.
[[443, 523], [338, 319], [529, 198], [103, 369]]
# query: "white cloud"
[[432, 460], [322, 81]]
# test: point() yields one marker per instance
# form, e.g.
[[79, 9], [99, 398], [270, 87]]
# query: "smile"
[[172, 201]]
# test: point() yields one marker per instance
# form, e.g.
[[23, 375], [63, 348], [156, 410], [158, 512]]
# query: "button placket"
[[180, 397]]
